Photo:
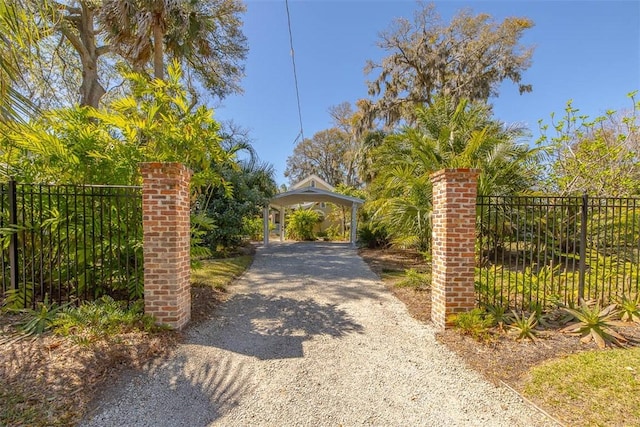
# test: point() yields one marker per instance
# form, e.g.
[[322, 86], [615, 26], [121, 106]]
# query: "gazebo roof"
[[313, 194]]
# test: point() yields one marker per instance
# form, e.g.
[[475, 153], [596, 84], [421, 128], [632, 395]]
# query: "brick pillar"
[[454, 233], [165, 222]]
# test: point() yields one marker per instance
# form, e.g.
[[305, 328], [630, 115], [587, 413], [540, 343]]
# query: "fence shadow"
[[274, 327]]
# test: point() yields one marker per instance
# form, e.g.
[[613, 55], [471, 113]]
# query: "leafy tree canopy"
[[205, 36], [253, 185], [18, 33], [157, 122], [467, 59], [88, 37], [598, 156], [324, 155]]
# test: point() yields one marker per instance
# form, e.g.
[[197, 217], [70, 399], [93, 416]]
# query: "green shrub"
[[414, 279], [300, 224], [254, 227], [475, 323], [373, 237], [102, 318], [199, 227], [42, 318], [333, 233], [324, 235]]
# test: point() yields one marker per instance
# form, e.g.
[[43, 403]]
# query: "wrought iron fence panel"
[[70, 243], [537, 252]]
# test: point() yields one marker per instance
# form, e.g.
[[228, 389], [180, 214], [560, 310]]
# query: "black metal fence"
[[69, 243], [536, 252]]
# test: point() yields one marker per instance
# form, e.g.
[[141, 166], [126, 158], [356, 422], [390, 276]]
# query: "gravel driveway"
[[310, 337]]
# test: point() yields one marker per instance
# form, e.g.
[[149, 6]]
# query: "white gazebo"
[[305, 195]]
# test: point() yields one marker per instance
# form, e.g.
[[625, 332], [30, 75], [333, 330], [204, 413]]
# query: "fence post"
[[583, 245], [453, 239], [166, 242], [13, 242]]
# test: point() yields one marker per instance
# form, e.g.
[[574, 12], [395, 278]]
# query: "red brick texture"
[[453, 253], [165, 222]]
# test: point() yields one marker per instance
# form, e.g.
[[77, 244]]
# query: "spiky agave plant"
[[499, 314], [597, 323], [630, 309], [524, 326]]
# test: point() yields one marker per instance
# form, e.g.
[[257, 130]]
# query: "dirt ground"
[[50, 380], [54, 380]]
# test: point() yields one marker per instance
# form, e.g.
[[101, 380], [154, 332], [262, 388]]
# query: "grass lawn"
[[218, 273], [595, 388]]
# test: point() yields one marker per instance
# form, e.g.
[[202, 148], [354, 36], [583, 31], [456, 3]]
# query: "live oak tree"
[[469, 58], [333, 154], [367, 162], [79, 27], [346, 119]]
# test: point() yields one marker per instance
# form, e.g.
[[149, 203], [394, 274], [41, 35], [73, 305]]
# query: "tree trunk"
[[84, 42], [91, 91], [158, 51]]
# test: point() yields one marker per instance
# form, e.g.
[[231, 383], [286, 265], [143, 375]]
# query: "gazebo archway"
[[309, 194]]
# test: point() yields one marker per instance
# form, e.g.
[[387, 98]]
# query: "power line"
[[295, 74]]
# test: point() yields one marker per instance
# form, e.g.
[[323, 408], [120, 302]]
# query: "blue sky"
[[588, 51]]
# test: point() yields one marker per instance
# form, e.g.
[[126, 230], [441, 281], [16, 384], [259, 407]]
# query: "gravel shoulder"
[[311, 337]]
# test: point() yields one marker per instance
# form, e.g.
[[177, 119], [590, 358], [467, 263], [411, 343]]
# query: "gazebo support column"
[[265, 225], [354, 224], [282, 224]]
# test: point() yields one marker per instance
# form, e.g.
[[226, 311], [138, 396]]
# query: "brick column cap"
[[459, 173], [176, 167]]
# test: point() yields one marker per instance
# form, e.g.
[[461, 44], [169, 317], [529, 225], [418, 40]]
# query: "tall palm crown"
[[446, 135], [204, 35], [17, 33]]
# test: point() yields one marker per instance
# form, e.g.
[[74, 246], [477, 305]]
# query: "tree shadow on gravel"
[[175, 392], [275, 327]]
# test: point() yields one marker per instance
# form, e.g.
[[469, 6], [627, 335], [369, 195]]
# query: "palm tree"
[[446, 135], [205, 36], [17, 33]]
